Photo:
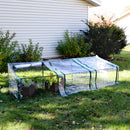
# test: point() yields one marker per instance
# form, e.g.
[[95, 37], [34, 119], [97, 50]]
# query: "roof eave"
[[122, 16], [94, 2]]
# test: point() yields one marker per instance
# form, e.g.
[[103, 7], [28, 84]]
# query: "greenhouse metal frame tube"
[[90, 80]]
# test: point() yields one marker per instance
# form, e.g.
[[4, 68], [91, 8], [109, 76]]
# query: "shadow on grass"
[[103, 107]]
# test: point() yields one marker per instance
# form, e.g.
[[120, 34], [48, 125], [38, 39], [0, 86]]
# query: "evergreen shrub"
[[106, 37]]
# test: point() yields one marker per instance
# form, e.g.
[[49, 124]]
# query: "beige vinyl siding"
[[125, 24], [43, 21]]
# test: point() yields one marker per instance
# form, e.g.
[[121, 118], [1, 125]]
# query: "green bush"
[[106, 38], [7, 46], [11, 52], [30, 52], [73, 46]]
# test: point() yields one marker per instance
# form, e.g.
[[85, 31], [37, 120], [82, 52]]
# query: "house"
[[124, 22], [44, 21]]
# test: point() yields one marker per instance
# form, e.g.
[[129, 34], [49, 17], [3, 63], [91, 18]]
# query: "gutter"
[[94, 2]]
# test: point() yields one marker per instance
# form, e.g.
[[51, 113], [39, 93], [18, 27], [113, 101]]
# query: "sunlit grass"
[[124, 75], [3, 79], [15, 126], [126, 50], [4, 90]]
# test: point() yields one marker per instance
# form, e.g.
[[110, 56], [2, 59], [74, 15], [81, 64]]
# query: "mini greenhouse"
[[67, 75]]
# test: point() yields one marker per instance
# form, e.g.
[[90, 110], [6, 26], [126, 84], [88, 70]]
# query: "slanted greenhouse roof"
[[67, 66], [79, 65]]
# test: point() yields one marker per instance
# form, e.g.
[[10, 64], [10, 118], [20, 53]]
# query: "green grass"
[[106, 108]]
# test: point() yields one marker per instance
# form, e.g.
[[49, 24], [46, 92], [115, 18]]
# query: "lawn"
[[106, 108]]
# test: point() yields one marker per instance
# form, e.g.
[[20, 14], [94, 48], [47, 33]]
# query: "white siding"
[[43, 21], [125, 23]]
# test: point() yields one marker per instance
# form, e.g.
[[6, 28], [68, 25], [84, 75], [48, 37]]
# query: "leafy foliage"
[[7, 46], [106, 38], [27, 83], [84, 47], [73, 46], [10, 51], [30, 52]]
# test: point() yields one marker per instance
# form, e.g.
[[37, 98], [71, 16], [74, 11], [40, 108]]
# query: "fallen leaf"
[[53, 114], [3, 112], [16, 118], [32, 128], [73, 122], [76, 106], [95, 114], [30, 112], [92, 98], [83, 120], [20, 120], [124, 113], [107, 103], [110, 115], [78, 98], [66, 121], [57, 122], [69, 125], [100, 126], [35, 118], [68, 114]]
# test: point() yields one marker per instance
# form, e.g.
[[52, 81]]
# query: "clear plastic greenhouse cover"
[[73, 75]]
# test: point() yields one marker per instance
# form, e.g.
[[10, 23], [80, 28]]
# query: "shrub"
[[10, 51], [73, 46], [85, 47], [106, 38], [30, 52], [7, 46], [1, 57]]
